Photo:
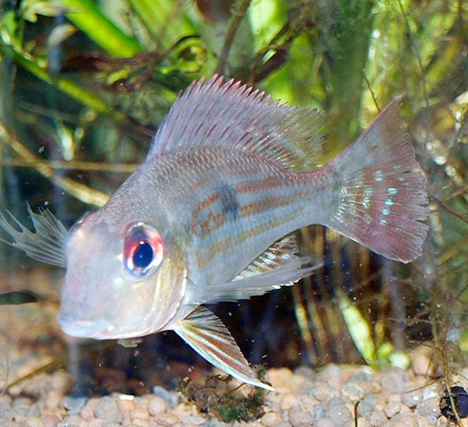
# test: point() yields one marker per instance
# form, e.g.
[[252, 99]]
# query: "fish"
[[210, 216]]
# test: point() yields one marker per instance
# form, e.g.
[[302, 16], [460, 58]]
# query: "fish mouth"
[[83, 328]]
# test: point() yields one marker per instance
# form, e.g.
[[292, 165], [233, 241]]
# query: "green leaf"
[[89, 19], [358, 329]]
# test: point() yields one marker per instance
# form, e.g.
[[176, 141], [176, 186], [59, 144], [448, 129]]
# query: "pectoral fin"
[[206, 334]]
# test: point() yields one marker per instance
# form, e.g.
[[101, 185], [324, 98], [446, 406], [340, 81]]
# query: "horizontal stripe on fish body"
[[220, 248], [215, 221]]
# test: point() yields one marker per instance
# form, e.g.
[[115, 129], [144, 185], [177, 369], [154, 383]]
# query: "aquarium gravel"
[[329, 397]]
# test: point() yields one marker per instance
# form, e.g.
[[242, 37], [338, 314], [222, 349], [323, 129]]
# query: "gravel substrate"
[[304, 398]]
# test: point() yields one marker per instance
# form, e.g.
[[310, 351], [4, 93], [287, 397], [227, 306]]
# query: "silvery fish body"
[[208, 217]]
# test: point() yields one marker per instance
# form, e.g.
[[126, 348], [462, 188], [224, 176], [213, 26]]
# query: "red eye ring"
[[143, 250]]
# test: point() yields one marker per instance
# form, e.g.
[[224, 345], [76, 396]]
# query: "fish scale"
[[207, 218]]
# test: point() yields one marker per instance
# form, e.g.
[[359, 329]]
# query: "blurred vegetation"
[[84, 85]]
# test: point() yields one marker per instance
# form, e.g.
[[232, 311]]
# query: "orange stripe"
[[233, 241]]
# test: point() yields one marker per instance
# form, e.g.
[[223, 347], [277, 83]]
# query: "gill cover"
[[122, 281]]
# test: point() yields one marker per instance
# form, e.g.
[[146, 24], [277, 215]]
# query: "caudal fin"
[[380, 191]]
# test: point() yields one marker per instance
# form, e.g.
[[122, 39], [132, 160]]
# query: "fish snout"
[[82, 328]]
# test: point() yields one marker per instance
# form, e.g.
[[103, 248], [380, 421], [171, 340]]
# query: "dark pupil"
[[143, 255]]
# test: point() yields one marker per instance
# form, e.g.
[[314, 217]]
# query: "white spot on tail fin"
[[380, 191]]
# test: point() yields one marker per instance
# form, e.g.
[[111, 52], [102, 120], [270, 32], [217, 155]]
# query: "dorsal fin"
[[235, 116]]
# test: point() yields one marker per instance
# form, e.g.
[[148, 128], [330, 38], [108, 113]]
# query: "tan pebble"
[[141, 423], [405, 409], [377, 418], [127, 419], [394, 398], [185, 410], [270, 419], [74, 420], [287, 401], [156, 405], [53, 399], [167, 419], [279, 377], [126, 405], [140, 413], [422, 365], [96, 423], [87, 413], [302, 412], [363, 422], [422, 421], [392, 424], [392, 408], [60, 382], [50, 420], [406, 420], [34, 422], [353, 392], [325, 422]]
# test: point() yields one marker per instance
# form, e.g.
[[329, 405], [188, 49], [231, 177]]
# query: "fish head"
[[123, 279]]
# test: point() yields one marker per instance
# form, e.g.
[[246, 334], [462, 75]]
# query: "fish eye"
[[143, 255], [143, 250]]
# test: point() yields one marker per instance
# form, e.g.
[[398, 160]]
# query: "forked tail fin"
[[379, 190]]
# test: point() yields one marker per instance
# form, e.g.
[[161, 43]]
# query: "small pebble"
[[74, 405], [140, 413], [287, 401], [108, 409], [195, 420], [407, 420], [429, 408], [50, 420], [392, 408], [170, 398], [53, 400], [167, 419], [412, 398], [422, 364], [377, 418], [353, 392], [394, 381], [366, 406], [270, 419], [126, 405], [341, 416], [302, 412], [156, 405], [363, 422], [324, 422]]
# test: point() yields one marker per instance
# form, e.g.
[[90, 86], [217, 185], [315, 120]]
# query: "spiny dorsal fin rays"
[[46, 244], [236, 117], [207, 335]]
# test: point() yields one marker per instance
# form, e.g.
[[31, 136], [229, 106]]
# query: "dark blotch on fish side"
[[460, 399], [228, 199]]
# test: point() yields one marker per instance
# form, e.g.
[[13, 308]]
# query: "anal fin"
[[208, 336]]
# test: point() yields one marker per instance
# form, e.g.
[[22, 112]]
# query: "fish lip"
[[82, 328]]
